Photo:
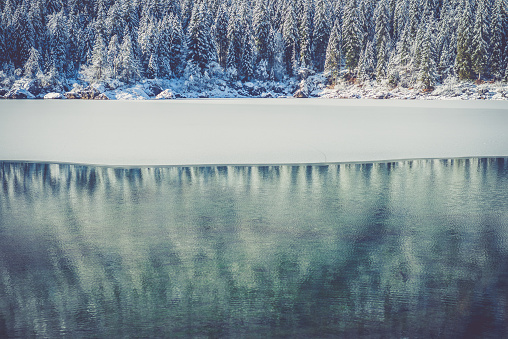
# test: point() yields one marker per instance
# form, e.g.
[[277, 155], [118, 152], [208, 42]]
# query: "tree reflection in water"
[[405, 249]]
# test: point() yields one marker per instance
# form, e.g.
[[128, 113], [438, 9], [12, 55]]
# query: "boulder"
[[3, 92], [155, 89], [300, 94], [54, 95], [89, 93], [165, 94], [33, 87], [19, 94], [101, 96], [72, 95]]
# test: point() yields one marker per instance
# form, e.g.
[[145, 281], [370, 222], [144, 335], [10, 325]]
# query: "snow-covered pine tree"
[[261, 28], [351, 35], [381, 38], [153, 67], [114, 24], [305, 34], [290, 36], [334, 49], [129, 66], [22, 36], [199, 39], [98, 70], [58, 33], [32, 65], [221, 34], [427, 71], [321, 34], [114, 56], [479, 55], [366, 62], [463, 61], [498, 33], [248, 58]]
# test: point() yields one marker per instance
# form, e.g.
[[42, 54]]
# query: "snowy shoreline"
[[313, 86], [249, 131]]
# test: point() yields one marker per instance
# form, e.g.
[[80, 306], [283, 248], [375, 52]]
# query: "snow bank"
[[249, 131]]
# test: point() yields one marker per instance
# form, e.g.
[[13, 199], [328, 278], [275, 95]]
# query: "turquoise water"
[[402, 249]]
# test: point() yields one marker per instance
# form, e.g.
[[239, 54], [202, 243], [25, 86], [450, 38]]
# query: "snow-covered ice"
[[249, 131]]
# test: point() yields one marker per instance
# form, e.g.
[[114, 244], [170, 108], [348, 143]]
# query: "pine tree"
[[153, 67], [479, 43], [498, 34], [58, 32], [199, 39], [98, 70], [114, 56], [351, 35], [463, 62], [382, 38], [427, 72], [290, 36], [221, 35], [321, 35], [305, 34], [334, 49], [32, 66], [248, 58], [129, 65], [261, 25]]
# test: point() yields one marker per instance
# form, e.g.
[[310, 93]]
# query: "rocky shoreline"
[[313, 86]]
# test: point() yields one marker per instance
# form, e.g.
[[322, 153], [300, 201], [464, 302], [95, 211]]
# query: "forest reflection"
[[403, 249]]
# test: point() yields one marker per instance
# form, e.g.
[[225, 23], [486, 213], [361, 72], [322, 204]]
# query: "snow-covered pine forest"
[[199, 45]]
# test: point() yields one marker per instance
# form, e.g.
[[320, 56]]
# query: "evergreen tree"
[[261, 25], [479, 43], [351, 35], [382, 38], [305, 34], [129, 65], [334, 49], [498, 35], [221, 35], [321, 35], [290, 36], [199, 43], [463, 61], [32, 66], [427, 72], [98, 70], [114, 56], [58, 32], [248, 58]]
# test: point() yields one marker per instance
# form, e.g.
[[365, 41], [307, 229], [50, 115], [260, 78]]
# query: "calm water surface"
[[393, 250]]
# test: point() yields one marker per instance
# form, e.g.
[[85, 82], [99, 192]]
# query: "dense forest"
[[403, 42]]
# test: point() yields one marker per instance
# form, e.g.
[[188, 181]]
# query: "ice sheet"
[[249, 131]]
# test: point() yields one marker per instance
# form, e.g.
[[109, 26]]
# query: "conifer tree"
[[479, 43], [498, 34], [58, 32], [463, 61], [351, 35], [261, 25], [381, 38], [290, 36], [98, 70], [114, 56], [321, 35], [221, 34], [305, 34], [129, 64], [32, 66], [334, 49], [427, 72]]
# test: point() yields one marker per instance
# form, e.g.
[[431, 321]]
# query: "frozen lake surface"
[[249, 131]]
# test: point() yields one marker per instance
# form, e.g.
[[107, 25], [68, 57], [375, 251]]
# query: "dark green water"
[[386, 250]]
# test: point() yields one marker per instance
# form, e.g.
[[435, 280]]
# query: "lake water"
[[402, 249]]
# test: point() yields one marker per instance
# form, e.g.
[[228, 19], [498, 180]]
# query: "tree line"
[[403, 42]]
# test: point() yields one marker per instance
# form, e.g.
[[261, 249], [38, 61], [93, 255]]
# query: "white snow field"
[[249, 131]]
